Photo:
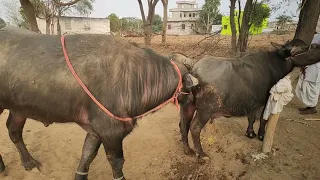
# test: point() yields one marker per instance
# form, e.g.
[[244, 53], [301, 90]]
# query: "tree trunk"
[[242, 41], [48, 23], [147, 22], [58, 22], [165, 21], [147, 33], [233, 27], [308, 20], [28, 10]]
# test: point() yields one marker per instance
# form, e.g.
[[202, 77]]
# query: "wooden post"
[[268, 138]]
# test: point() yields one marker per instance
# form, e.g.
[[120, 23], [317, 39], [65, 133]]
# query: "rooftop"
[[185, 9], [186, 2]]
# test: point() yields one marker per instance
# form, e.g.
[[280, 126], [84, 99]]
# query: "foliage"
[[131, 24], [114, 22], [259, 13], [157, 23], [209, 14], [283, 19]]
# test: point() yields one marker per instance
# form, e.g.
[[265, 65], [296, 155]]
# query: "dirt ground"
[[153, 150]]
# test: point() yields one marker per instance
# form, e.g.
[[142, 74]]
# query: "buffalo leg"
[[186, 114], [89, 152], [196, 126], [114, 151], [250, 132], [15, 124], [2, 167]]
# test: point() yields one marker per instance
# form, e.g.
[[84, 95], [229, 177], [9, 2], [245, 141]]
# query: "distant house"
[[184, 18], [77, 25], [226, 27]]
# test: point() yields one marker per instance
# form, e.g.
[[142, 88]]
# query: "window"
[[225, 27], [194, 14], [183, 26], [190, 14], [67, 24], [184, 15], [180, 14], [169, 26]]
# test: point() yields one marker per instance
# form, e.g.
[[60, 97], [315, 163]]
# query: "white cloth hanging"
[[280, 95]]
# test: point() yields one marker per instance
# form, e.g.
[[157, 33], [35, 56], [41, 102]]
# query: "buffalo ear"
[[277, 46], [190, 81]]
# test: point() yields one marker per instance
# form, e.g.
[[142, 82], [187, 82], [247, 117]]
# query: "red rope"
[[174, 98]]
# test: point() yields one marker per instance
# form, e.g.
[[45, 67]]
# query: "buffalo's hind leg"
[[15, 124], [2, 167], [114, 151], [197, 124], [89, 152], [186, 114], [250, 131]]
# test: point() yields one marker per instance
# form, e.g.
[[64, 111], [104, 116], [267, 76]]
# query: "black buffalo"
[[236, 87], [35, 82]]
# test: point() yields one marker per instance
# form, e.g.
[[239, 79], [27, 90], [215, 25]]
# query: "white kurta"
[[280, 95], [308, 89]]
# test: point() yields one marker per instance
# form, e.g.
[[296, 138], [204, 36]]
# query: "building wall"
[[175, 28], [185, 15], [226, 27], [78, 25]]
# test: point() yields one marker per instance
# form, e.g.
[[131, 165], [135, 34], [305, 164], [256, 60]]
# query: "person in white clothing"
[[308, 87]]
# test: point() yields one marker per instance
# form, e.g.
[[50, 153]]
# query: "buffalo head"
[[299, 52]]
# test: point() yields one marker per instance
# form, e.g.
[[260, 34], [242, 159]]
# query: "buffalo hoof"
[[81, 177], [203, 158], [251, 134], [188, 151], [30, 164], [261, 137]]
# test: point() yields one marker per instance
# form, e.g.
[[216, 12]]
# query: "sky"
[[125, 8], [130, 8]]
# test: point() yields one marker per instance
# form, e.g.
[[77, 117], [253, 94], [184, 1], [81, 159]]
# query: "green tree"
[[283, 19], [259, 13], [114, 22], [157, 24], [210, 14]]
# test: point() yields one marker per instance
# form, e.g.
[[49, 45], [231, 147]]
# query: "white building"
[[184, 18], [77, 25]]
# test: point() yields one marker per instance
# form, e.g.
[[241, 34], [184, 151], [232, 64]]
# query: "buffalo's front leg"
[[89, 152], [186, 114], [196, 126], [114, 151], [15, 124]]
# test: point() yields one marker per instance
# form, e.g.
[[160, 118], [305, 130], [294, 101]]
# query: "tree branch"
[[65, 4], [142, 11]]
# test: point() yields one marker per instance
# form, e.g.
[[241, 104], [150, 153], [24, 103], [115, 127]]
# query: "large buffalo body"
[[235, 88], [35, 82]]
